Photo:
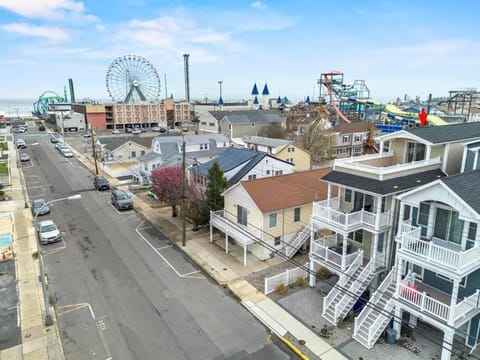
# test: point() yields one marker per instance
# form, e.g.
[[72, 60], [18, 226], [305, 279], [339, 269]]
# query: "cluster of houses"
[[399, 224]]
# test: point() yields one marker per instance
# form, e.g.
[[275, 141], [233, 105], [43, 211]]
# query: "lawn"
[[3, 168]]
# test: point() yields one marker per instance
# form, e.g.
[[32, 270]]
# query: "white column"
[[400, 217], [226, 240], [445, 158], [453, 301], [431, 219], [400, 267], [428, 152], [382, 144], [374, 250], [378, 212], [244, 255], [312, 277], [397, 321], [463, 243], [344, 250], [447, 344], [211, 235]]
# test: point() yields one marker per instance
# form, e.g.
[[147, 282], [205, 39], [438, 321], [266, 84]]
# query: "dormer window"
[[415, 152]]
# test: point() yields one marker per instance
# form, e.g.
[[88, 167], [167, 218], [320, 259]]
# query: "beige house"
[[351, 139], [282, 149], [262, 223]]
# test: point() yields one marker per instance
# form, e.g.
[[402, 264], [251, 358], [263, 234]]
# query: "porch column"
[[244, 255], [400, 218], [400, 267], [211, 234], [378, 212], [312, 275], [463, 242], [382, 145], [447, 344], [397, 321], [374, 250], [344, 250], [453, 301], [445, 157], [226, 240]]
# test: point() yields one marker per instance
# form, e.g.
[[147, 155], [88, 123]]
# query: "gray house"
[[236, 124]]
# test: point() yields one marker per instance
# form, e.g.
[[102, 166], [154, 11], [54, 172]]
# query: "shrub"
[[299, 282], [323, 273], [281, 289]]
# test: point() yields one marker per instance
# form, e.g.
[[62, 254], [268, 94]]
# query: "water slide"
[[328, 85]]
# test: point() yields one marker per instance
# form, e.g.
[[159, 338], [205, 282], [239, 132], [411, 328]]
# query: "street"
[[120, 288]]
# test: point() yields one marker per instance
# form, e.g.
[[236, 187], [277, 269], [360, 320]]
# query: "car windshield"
[[38, 203], [122, 196], [48, 228]]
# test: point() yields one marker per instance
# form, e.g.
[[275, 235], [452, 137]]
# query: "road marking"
[[164, 247], [165, 260]]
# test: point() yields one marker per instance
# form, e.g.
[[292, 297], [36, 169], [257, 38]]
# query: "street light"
[[48, 316]]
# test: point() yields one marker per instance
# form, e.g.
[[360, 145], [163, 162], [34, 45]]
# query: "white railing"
[[457, 260], [238, 231], [382, 318], [321, 249], [286, 278], [468, 304], [358, 286], [421, 300], [297, 241], [328, 210], [341, 283]]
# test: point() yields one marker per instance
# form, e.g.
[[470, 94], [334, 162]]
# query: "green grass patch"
[[3, 168], [4, 145]]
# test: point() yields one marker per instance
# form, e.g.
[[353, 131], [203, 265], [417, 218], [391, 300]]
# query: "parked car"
[[100, 183], [121, 200], [40, 207], [60, 147], [20, 143], [128, 130], [19, 129], [156, 128], [53, 139], [67, 153], [115, 131], [24, 157], [41, 127], [163, 130], [48, 232], [136, 131]]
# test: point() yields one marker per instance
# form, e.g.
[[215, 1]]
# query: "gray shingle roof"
[[229, 159], [259, 140], [467, 187], [114, 142], [447, 133], [249, 116], [385, 187], [248, 166], [149, 156]]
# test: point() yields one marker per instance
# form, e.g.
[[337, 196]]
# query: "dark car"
[[41, 128], [100, 183], [121, 200], [53, 139]]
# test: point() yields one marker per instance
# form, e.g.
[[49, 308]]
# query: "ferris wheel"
[[131, 78]]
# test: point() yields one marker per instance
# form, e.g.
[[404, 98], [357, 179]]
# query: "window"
[[204, 146], [448, 226], [252, 177], [253, 124], [472, 231], [203, 123], [211, 124], [241, 215], [277, 240], [356, 236], [463, 282], [357, 149], [423, 214], [273, 220], [278, 172], [358, 138], [134, 154], [348, 195], [415, 152], [229, 126], [268, 172], [142, 152], [345, 139], [296, 214]]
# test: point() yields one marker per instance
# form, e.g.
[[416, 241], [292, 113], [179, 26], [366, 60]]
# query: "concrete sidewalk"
[[39, 342]]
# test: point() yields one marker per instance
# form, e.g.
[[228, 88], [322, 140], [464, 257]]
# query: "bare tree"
[[274, 131], [319, 140]]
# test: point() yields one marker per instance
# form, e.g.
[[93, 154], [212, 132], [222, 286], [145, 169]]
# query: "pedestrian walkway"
[[230, 272], [39, 342]]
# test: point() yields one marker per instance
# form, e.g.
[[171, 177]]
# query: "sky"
[[398, 47]]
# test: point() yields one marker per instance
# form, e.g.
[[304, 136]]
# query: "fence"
[[286, 278]]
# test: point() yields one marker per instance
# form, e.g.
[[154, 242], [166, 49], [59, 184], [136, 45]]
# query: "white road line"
[[191, 273], [165, 247], [145, 228]]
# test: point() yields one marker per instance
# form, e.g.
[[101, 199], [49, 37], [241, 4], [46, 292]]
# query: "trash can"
[[391, 336]]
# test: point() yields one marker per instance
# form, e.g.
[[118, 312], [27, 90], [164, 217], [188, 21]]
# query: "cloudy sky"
[[397, 47]]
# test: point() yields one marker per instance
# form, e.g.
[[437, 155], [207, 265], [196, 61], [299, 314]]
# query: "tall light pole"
[[48, 316], [220, 84]]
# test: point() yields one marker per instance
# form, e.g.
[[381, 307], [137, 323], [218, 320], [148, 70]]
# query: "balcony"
[[435, 304], [239, 232], [327, 251], [456, 261], [328, 212], [383, 166]]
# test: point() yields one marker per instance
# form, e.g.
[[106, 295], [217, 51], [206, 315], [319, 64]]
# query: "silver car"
[[48, 232], [40, 207]]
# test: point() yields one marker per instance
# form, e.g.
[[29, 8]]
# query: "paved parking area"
[[9, 318]]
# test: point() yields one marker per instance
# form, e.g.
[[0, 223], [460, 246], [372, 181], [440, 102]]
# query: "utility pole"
[[184, 227], [94, 151]]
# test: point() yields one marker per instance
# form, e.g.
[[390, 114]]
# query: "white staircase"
[[376, 314], [347, 290], [297, 242]]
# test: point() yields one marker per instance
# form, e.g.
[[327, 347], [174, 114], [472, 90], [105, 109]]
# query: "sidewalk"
[[39, 342], [230, 272]]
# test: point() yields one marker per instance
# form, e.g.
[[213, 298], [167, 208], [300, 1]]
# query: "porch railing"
[[457, 260], [238, 231], [321, 249], [329, 211]]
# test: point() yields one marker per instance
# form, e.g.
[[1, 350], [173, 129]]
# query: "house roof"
[[149, 156], [259, 140], [467, 186], [229, 159], [292, 190], [447, 133], [249, 116], [248, 166], [113, 142], [354, 127], [384, 187]]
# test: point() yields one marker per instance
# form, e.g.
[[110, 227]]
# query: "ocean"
[[16, 107]]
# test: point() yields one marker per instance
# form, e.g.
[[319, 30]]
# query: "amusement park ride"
[[353, 103]]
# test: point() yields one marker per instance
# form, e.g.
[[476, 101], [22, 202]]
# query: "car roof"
[[46, 222], [38, 201]]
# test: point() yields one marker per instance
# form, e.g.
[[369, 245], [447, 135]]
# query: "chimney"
[[187, 77]]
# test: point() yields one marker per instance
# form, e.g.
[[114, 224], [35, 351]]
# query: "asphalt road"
[[120, 289]]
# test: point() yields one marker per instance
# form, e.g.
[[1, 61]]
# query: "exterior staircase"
[[297, 242], [376, 314], [347, 290]]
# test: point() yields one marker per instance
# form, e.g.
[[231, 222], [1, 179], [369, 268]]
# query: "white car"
[[136, 131], [115, 131], [24, 157], [67, 153], [48, 232]]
